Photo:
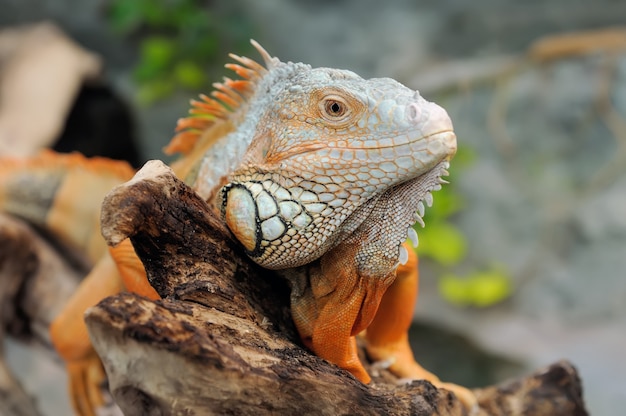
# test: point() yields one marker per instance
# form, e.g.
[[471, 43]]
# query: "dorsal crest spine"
[[227, 97]]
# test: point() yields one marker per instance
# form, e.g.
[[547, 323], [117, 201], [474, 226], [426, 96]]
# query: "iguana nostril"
[[414, 112]]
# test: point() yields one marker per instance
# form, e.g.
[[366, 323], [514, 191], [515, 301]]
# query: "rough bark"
[[222, 341]]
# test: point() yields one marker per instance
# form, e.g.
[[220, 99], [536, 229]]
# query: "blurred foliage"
[[178, 39], [480, 288], [445, 244]]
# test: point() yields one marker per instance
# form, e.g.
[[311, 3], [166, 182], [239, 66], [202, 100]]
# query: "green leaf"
[[158, 50], [157, 13], [442, 242], [204, 47], [489, 287], [189, 75], [480, 289], [191, 17], [125, 16], [454, 289], [155, 90], [156, 56]]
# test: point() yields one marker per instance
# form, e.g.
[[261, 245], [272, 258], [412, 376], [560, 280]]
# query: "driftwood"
[[222, 341], [37, 277]]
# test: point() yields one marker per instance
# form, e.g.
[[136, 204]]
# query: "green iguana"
[[318, 173]]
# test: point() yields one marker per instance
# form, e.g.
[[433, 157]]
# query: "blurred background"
[[523, 257]]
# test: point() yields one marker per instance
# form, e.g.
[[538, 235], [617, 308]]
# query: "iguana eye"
[[334, 108]]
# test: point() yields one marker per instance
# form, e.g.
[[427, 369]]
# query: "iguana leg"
[[71, 340], [387, 336], [336, 305], [112, 274], [333, 336], [131, 270]]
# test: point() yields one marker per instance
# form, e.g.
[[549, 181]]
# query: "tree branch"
[[222, 340]]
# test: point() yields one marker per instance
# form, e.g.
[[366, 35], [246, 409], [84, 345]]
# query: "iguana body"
[[319, 174]]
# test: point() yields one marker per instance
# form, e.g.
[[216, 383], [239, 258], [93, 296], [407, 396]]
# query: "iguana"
[[317, 172]]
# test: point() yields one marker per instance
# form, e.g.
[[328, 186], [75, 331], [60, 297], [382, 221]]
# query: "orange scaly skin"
[[319, 174]]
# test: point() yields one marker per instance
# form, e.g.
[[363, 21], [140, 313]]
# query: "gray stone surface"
[[546, 195], [41, 375]]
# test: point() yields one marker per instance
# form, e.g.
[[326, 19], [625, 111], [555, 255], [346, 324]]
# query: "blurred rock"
[[545, 197], [41, 72]]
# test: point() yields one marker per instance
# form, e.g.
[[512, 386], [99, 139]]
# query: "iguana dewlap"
[[319, 174]]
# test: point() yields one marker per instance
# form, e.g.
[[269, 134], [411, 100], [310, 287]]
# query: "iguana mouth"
[[390, 142]]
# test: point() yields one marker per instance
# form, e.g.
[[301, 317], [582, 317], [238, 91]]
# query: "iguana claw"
[[86, 379]]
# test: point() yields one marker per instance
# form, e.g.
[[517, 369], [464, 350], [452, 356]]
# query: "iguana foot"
[[465, 395], [86, 377], [387, 339], [399, 360]]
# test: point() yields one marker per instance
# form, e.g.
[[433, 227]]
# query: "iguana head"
[[325, 150]]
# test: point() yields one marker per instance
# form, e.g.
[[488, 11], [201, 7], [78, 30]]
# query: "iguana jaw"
[[385, 222], [420, 197], [416, 194]]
